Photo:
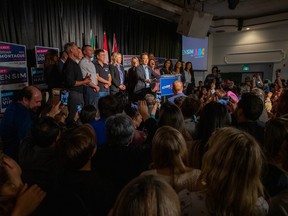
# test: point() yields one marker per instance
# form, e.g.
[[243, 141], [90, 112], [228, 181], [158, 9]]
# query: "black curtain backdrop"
[[53, 23]]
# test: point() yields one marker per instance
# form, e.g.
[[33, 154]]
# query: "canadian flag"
[[105, 48], [115, 47]]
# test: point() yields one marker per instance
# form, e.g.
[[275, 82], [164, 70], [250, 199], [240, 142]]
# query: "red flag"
[[105, 48], [115, 47]]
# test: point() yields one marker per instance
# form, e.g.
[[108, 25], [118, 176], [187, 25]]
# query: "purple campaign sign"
[[12, 55], [13, 75], [40, 55]]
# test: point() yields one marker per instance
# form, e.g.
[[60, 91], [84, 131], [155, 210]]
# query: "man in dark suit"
[[118, 74], [145, 78]]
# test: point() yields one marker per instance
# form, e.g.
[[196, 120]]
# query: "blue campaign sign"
[[7, 97], [127, 61], [38, 79], [166, 84], [12, 55]]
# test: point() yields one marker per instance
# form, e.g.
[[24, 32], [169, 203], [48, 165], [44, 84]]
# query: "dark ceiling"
[[171, 9]]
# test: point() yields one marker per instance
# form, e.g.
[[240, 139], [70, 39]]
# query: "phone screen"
[[158, 96], [79, 108], [64, 97]]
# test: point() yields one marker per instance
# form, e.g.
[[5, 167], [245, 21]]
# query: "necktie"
[[146, 76], [120, 74]]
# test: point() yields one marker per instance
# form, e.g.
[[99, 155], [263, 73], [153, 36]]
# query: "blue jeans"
[[91, 97]]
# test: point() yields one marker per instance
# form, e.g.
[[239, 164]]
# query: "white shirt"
[[187, 77], [146, 75], [87, 67]]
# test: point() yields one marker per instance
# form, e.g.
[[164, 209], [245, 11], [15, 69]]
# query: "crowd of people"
[[211, 149]]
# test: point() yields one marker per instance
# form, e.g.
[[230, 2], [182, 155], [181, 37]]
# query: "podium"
[[166, 84]]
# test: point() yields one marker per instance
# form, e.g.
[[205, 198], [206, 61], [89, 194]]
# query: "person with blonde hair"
[[146, 196], [230, 177], [118, 74], [170, 158]]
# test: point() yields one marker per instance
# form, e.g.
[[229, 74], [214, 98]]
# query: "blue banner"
[[12, 55]]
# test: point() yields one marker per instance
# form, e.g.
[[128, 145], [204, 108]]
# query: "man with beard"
[[18, 119]]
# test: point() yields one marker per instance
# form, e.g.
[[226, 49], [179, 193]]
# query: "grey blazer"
[[141, 78]]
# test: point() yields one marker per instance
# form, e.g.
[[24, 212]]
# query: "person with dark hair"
[[275, 177], [171, 115], [213, 115], [103, 73], [155, 85], [119, 159], [15, 196], [263, 118], [189, 78], [190, 107], [108, 106], [179, 101], [139, 136], [37, 155], [18, 119], [215, 75], [132, 77], [145, 76], [53, 77], [278, 204], [61, 61], [179, 71], [167, 69], [82, 191], [74, 80], [88, 114], [91, 91], [151, 56], [248, 111]]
